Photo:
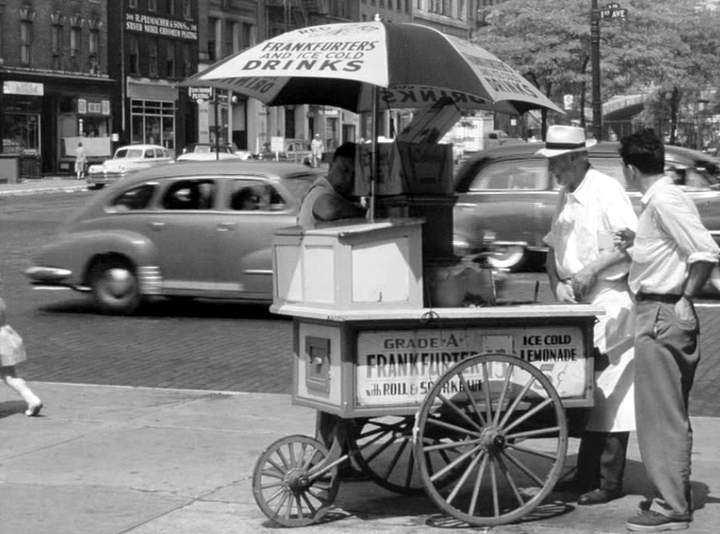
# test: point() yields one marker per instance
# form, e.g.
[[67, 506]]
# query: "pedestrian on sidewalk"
[[12, 352], [80, 161], [672, 255], [316, 150], [584, 265]]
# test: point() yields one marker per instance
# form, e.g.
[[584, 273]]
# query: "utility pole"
[[595, 68]]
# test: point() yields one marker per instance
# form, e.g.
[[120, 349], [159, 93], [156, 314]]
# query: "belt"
[[657, 297]]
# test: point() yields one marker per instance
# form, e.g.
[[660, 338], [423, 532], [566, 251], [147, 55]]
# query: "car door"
[[251, 210], [183, 228], [507, 201]]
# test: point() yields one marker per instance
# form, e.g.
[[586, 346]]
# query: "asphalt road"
[[191, 344]]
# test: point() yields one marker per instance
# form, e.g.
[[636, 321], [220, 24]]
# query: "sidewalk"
[[46, 184], [112, 460]]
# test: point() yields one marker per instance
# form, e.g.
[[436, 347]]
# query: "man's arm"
[[585, 279], [328, 208], [562, 291]]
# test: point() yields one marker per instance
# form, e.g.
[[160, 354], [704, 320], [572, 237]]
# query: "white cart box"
[[354, 265]]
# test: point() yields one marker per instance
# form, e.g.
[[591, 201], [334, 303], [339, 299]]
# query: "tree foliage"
[[663, 44]]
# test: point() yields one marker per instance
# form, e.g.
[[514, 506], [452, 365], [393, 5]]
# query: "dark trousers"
[[601, 460]]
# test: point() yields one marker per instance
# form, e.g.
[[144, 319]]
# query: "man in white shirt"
[[672, 256], [583, 265]]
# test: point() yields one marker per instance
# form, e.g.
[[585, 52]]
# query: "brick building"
[[55, 83]]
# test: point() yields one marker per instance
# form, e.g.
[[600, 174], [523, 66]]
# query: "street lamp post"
[[595, 68]]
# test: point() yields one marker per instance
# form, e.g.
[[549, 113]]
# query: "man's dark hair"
[[644, 150], [346, 150]]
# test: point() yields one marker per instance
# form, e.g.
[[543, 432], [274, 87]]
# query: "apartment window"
[[152, 5], [187, 61], [134, 56], [153, 59], [227, 34], [171, 7], [170, 60], [187, 9], [212, 39], [133, 4], [246, 38], [75, 41], [57, 39], [26, 38]]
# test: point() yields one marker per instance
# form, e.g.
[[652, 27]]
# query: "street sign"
[[613, 11]]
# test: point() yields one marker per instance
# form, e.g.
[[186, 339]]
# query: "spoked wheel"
[[385, 452], [504, 423], [295, 481]]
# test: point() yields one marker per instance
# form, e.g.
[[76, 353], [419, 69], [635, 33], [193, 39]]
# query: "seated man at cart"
[[330, 198], [583, 265]]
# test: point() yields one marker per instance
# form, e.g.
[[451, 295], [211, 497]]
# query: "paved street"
[[196, 345]]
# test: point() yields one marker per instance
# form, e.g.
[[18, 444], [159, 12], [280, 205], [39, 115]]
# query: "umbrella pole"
[[373, 154]]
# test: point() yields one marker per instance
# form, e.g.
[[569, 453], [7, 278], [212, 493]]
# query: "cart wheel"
[[294, 481], [384, 452], [504, 423]]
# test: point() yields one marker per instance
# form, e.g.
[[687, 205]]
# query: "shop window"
[[153, 59], [153, 122]]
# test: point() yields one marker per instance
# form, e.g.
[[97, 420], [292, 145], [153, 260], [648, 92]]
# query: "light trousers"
[[666, 355]]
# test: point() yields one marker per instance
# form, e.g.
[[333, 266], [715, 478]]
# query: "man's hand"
[[564, 292], [583, 282], [624, 239], [685, 314]]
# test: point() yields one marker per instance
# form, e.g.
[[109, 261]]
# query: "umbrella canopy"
[[346, 65]]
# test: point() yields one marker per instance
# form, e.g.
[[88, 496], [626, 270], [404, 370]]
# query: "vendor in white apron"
[[584, 266]]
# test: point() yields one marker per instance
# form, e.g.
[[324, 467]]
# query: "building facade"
[[155, 46], [56, 88]]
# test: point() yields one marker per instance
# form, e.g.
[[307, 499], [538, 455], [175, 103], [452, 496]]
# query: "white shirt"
[[670, 236], [585, 222]]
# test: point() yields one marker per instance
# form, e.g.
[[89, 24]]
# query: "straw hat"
[[562, 140]]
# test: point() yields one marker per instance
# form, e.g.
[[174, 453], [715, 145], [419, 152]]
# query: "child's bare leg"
[[7, 373]]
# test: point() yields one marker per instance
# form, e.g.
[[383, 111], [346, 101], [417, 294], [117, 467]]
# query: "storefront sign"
[[93, 107], [400, 367], [200, 93], [161, 26], [23, 88]]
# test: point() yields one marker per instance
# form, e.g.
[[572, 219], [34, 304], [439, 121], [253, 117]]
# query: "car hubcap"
[[118, 282]]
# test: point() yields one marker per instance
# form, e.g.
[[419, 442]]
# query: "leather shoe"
[[598, 496]]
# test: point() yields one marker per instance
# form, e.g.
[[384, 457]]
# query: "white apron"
[[614, 336]]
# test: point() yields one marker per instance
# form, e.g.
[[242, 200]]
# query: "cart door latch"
[[317, 364]]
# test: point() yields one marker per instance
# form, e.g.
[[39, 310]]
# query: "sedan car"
[[127, 159], [506, 198], [210, 152], [200, 230]]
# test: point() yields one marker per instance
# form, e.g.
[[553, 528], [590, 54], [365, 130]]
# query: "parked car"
[[506, 198], [209, 152], [192, 230], [127, 159]]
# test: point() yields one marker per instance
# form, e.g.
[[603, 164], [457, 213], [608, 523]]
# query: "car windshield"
[[128, 153]]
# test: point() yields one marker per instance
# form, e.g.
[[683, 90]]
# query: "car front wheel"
[[115, 286]]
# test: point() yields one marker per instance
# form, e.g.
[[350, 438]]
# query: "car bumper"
[[104, 178], [51, 277]]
